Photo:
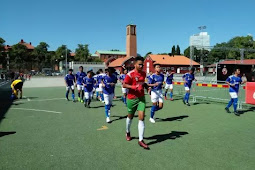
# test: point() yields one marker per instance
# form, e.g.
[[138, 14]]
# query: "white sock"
[[141, 128], [128, 124]]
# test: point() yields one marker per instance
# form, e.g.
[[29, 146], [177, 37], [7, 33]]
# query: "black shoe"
[[88, 106], [236, 113], [67, 99], [85, 104], [183, 101], [227, 110], [187, 104]]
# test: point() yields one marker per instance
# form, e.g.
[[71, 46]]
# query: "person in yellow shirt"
[[17, 87]]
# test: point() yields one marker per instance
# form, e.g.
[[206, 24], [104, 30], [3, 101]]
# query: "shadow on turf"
[[5, 100], [163, 137], [251, 109], [120, 118], [169, 119], [6, 133]]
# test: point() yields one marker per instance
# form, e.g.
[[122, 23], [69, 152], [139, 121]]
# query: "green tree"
[[2, 51], [20, 57], [40, 53], [178, 50], [61, 53], [147, 54], [82, 53], [173, 50]]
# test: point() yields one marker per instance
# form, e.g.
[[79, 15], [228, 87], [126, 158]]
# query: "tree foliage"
[[82, 53]]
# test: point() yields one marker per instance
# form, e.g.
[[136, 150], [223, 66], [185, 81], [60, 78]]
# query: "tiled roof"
[[245, 62], [112, 52], [171, 60], [72, 54]]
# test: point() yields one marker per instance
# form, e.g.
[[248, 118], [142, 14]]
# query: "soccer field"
[[44, 131]]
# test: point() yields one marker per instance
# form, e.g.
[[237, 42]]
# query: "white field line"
[[3, 83], [29, 100], [36, 110]]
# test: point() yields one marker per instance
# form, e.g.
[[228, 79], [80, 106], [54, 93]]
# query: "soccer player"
[[16, 88], [96, 86], [156, 83], [135, 82], [69, 81], [88, 83], [108, 84], [169, 84], [124, 90], [79, 78], [234, 81], [99, 81], [188, 79], [148, 81]]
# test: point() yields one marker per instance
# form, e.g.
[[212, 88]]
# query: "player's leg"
[[229, 104], [86, 94], [73, 96], [166, 90], [132, 107], [97, 93], [186, 97], [124, 91], [141, 125], [234, 96], [67, 92], [79, 92], [82, 93], [21, 93], [107, 107], [154, 100], [111, 96], [89, 98], [171, 91]]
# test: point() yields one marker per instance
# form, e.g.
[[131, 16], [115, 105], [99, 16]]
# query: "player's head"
[[124, 71], [89, 74], [111, 70], [81, 69], [70, 71], [237, 71], [157, 68], [169, 71], [97, 72], [100, 70], [191, 70], [139, 63]]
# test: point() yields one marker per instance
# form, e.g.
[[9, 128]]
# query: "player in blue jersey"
[[156, 83], [79, 78], [169, 84], [234, 81], [188, 78], [124, 90], [108, 84], [99, 81], [148, 82], [88, 83], [69, 81]]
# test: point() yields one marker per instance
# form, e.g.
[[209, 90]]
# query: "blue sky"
[[101, 23]]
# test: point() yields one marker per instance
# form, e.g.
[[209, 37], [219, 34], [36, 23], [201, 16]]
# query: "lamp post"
[[201, 28]]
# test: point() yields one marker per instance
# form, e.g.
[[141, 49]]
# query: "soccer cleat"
[[67, 99], [73, 100], [152, 120], [79, 99], [82, 101], [88, 106], [236, 113], [143, 144], [227, 110], [183, 101], [171, 99], [128, 137], [108, 120], [165, 98], [187, 104], [85, 104]]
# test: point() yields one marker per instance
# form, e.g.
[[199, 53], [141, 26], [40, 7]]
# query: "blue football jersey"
[[79, 77], [157, 79], [122, 77], [236, 81], [69, 78], [169, 79], [188, 78], [108, 89], [89, 84]]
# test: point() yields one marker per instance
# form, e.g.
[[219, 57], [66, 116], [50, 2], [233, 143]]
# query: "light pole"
[[66, 59], [201, 28]]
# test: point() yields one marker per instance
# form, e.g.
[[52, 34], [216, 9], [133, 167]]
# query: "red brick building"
[[177, 63]]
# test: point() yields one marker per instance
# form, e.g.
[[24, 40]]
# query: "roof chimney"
[[30, 43], [22, 41]]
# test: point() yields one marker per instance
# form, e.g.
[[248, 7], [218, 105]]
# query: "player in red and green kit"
[[134, 81]]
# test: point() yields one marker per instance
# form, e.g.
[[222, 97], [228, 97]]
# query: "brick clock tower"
[[131, 46]]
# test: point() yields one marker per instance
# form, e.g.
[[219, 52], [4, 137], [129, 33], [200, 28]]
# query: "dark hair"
[[81, 67], [70, 69], [156, 65], [89, 71], [236, 68], [97, 72], [100, 70], [139, 59], [192, 69]]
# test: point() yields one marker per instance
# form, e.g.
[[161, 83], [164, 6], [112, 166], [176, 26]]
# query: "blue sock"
[[97, 94], [153, 109], [125, 100], [235, 104], [122, 98], [106, 107], [230, 103], [73, 96], [187, 97], [165, 93], [171, 95], [67, 92], [157, 108], [102, 96]]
